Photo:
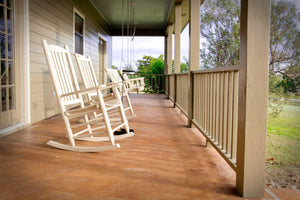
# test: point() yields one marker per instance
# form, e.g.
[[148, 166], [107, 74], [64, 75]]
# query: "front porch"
[[164, 160]]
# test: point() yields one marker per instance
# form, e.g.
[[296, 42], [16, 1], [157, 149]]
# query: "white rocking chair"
[[134, 84], [88, 76], [69, 97], [114, 76]]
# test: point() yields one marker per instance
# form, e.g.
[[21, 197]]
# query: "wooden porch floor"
[[164, 160]]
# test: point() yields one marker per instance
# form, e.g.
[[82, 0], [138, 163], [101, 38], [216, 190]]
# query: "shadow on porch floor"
[[164, 160]]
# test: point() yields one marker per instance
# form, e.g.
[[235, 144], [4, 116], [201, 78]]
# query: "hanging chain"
[[131, 28], [122, 53]]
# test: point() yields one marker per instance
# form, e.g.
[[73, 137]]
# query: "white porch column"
[[177, 38], [253, 93], [194, 54], [166, 55], [167, 90], [169, 50]]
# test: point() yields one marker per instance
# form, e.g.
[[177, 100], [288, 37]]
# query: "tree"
[[184, 67], [151, 65], [220, 27], [285, 43], [114, 67]]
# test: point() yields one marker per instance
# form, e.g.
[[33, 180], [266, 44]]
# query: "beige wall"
[[53, 20]]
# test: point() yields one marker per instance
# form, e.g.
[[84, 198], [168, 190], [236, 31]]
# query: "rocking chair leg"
[[123, 116], [129, 103], [69, 131], [106, 119]]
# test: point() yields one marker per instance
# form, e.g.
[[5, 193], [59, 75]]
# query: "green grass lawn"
[[283, 149]]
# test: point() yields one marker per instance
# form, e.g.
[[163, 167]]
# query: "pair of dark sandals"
[[122, 131]]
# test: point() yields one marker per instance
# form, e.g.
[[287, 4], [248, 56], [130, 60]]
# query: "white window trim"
[[22, 46], [76, 11]]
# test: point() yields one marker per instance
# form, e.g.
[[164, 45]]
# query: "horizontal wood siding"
[[53, 20]]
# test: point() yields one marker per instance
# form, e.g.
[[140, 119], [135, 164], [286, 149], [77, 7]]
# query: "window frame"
[[77, 12], [9, 59]]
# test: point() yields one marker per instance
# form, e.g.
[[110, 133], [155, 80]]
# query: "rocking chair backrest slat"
[[87, 71], [62, 72], [126, 78], [114, 75]]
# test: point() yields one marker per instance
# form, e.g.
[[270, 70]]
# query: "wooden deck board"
[[164, 160]]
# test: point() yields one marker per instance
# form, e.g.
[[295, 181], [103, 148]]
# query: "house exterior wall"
[[53, 20]]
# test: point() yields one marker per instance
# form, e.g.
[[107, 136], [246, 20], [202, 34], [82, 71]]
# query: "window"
[[78, 32], [7, 71]]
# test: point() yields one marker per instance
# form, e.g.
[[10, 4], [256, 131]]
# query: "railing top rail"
[[182, 73], [218, 69], [178, 74], [151, 74], [170, 74]]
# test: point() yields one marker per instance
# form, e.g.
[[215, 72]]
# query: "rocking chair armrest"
[[91, 90], [110, 85], [84, 91], [136, 79], [130, 81], [119, 84]]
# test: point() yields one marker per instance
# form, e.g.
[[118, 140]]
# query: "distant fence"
[[294, 102], [286, 101]]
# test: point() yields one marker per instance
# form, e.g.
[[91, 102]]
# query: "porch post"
[[166, 55], [166, 65], [177, 48], [194, 51], [253, 93], [194, 33], [177, 38], [169, 50]]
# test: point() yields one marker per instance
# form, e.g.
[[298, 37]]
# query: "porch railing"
[[172, 87], [179, 96], [211, 104], [214, 105]]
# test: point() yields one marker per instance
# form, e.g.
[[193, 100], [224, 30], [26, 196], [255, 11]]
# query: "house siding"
[[53, 20]]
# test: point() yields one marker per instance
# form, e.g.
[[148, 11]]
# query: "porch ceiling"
[[151, 17]]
